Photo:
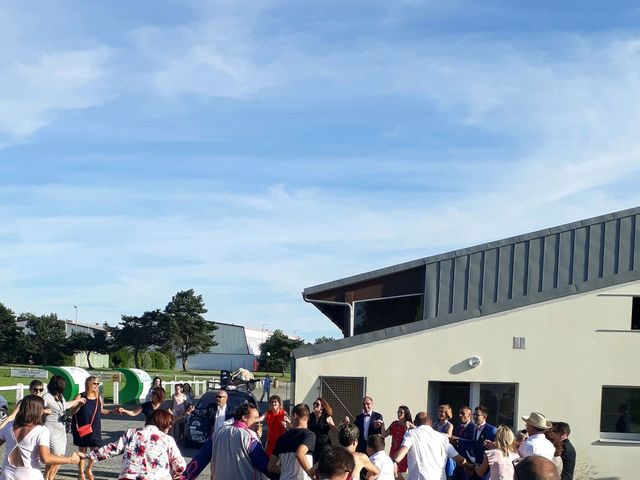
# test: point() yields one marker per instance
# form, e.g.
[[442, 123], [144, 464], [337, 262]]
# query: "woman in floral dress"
[[149, 453]]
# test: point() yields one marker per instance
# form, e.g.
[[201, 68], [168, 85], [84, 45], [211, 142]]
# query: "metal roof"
[[526, 269]]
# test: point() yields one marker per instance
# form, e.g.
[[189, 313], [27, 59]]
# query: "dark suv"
[[199, 423]]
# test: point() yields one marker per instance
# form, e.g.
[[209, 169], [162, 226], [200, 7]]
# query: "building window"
[[635, 314], [620, 413], [498, 398], [378, 314]]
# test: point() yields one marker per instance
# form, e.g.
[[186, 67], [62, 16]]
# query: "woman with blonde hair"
[[27, 443], [499, 461], [320, 422], [443, 425], [86, 425]]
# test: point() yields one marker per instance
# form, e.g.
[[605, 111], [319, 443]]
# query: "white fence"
[[198, 386]]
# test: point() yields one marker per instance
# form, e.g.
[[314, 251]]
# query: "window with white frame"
[[620, 413]]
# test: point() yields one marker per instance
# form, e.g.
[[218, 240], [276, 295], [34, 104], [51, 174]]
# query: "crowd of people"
[[297, 446]]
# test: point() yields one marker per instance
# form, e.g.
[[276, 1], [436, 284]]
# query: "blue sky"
[[251, 149]]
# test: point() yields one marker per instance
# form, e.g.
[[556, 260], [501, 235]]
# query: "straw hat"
[[537, 420]]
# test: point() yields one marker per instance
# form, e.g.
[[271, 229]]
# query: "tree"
[[83, 342], [10, 334], [138, 333], [187, 332], [45, 334], [275, 352], [319, 340]]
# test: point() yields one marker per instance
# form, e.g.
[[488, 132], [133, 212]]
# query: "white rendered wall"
[[561, 373]]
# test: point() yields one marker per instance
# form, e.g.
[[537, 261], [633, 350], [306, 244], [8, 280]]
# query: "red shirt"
[[274, 428]]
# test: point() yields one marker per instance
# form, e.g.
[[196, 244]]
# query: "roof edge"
[[468, 250], [428, 324]]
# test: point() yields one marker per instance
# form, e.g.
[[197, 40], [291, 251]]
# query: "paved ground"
[[113, 426]]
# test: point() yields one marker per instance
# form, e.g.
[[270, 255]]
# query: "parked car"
[[200, 422], [4, 408]]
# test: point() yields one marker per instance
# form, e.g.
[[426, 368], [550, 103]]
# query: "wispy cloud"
[[33, 93], [260, 155]]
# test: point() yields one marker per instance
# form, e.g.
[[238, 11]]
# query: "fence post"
[[19, 392], [116, 393]]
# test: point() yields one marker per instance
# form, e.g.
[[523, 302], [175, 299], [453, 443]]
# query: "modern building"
[[230, 352], [98, 360], [548, 321]]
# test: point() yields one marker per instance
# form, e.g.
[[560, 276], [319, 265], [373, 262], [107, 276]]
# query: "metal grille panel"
[[344, 394]]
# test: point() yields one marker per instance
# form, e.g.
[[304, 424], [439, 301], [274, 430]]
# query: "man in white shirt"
[[428, 451], [537, 443], [377, 455], [220, 414]]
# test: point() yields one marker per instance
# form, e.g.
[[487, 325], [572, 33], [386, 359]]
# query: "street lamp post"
[[76, 307]]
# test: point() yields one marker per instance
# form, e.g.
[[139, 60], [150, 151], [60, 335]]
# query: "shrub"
[[121, 359], [146, 363], [159, 361]]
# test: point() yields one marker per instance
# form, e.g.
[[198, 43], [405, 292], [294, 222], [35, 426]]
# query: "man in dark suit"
[[482, 432], [561, 431], [462, 439], [368, 423]]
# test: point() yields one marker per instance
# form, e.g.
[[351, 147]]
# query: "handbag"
[[87, 429]]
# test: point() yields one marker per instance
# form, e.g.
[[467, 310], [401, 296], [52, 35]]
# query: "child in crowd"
[[377, 455]]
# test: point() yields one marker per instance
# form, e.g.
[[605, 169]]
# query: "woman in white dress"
[[55, 421], [27, 443]]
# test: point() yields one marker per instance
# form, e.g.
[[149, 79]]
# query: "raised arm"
[[132, 413]]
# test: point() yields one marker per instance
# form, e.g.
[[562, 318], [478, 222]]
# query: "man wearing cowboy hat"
[[537, 443]]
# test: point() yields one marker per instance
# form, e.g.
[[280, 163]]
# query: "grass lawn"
[[166, 375]]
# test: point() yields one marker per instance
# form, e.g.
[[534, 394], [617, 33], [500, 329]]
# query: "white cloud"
[[33, 93]]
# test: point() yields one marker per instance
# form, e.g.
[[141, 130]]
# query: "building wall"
[[561, 373], [219, 361]]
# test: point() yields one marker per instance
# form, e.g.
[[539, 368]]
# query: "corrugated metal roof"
[[230, 339], [517, 271]]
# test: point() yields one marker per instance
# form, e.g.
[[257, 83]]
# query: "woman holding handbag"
[[86, 425]]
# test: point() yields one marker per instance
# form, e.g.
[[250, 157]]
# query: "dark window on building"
[[635, 314], [499, 398], [620, 411], [372, 315]]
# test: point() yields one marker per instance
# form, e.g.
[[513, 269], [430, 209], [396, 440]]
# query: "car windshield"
[[208, 400]]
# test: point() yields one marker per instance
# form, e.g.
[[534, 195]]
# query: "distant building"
[[98, 360], [233, 350], [237, 346], [548, 321]]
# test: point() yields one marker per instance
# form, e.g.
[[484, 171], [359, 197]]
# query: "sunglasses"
[[220, 396], [38, 389], [96, 383], [317, 404]]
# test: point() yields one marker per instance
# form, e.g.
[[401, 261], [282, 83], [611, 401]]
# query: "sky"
[[251, 149]]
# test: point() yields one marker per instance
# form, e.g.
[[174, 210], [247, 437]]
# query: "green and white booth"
[[74, 378], [136, 385]]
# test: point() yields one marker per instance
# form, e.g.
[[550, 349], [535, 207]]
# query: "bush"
[[159, 361], [121, 359], [146, 363], [172, 360]]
